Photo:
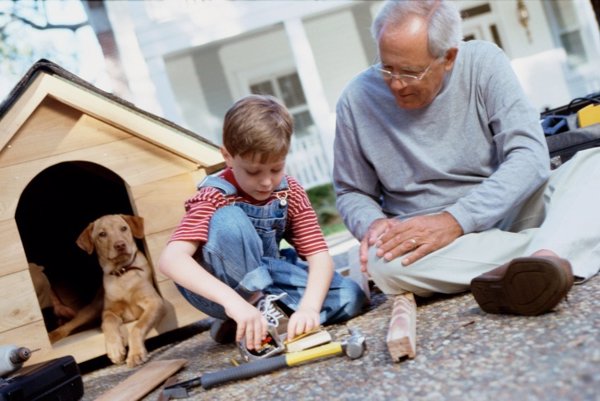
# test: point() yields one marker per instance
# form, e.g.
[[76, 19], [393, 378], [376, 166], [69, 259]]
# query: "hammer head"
[[354, 345]]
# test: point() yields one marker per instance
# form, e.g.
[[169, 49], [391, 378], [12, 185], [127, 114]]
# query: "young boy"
[[225, 255]]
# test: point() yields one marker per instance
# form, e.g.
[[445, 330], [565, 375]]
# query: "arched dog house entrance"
[[55, 207]]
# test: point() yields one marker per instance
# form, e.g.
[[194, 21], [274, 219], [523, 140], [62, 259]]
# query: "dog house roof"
[[47, 79]]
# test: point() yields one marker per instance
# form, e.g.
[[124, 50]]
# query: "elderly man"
[[442, 172]]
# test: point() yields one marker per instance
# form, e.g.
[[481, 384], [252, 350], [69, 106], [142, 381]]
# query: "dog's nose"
[[120, 246]]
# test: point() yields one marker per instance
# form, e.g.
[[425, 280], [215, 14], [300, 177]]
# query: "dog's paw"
[[116, 353], [137, 358], [56, 335]]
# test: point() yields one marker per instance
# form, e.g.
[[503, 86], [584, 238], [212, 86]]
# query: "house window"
[[288, 89], [480, 23], [567, 29]]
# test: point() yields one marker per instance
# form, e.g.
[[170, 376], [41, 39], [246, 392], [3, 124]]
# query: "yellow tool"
[[589, 115], [353, 346]]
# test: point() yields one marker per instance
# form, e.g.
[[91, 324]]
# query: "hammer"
[[353, 346]]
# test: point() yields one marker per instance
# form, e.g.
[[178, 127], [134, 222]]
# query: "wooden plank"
[[20, 305], [134, 160], [32, 336], [12, 257], [155, 243], [21, 109], [161, 202], [179, 311], [155, 239], [308, 340], [143, 381], [82, 346], [55, 128], [88, 344], [104, 109], [402, 333], [138, 124]]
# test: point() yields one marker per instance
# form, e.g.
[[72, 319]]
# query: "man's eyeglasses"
[[406, 78]]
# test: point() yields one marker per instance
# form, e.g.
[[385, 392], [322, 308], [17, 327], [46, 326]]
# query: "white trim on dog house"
[[53, 118]]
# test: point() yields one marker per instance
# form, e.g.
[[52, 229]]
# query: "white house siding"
[[202, 55], [337, 49], [190, 98], [256, 58]]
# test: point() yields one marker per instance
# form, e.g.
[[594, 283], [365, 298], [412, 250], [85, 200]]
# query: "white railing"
[[307, 161]]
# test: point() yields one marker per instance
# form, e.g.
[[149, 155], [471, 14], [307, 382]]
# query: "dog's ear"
[[85, 240], [136, 223]]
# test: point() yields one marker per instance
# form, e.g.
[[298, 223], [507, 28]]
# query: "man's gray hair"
[[445, 25]]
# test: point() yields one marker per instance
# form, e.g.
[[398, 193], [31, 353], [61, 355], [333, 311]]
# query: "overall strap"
[[229, 189], [217, 182], [283, 185]]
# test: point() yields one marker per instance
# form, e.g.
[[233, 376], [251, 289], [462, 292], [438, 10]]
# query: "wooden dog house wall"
[[70, 153]]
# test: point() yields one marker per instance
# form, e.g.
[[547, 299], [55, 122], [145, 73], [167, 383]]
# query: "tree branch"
[[72, 27]]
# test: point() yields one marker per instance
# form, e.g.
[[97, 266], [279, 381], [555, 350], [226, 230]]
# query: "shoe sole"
[[530, 286]]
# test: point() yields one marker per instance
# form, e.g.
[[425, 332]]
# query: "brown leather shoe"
[[524, 286]]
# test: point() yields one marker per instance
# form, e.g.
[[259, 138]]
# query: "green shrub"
[[322, 199]]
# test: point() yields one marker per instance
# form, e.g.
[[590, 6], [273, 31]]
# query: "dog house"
[[70, 153]]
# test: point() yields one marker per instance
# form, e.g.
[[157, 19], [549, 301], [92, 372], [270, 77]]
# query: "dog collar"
[[118, 272]]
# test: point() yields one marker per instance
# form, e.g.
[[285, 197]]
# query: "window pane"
[[262, 88], [291, 90], [573, 45], [303, 124]]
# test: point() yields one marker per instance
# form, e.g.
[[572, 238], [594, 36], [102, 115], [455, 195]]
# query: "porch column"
[[311, 84]]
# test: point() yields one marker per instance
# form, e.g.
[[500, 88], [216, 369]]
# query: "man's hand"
[[419, 235], [376, 229]]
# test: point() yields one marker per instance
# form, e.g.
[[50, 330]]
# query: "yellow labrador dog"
[[129, 293]]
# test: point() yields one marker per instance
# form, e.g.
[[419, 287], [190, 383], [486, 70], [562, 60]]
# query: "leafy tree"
[[24, 39]]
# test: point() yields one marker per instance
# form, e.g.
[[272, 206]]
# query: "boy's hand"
[[301, 321], [251, 324]]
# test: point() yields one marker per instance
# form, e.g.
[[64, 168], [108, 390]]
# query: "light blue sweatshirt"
[[477, 151]]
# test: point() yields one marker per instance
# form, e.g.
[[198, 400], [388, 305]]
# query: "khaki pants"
[[562, 216]]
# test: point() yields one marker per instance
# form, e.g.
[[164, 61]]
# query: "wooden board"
[[20, 305], [402, 333], [55, 128], [32, 336], [12, 257], [143, 381], [183, 312], [134, 160], [104, 109], [162, 201], [308, 340], [155, 243]]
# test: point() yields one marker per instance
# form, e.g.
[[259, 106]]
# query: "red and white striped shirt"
[[302, 229]]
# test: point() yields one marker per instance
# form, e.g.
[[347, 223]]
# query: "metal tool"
[[12, 358], [352, 346], [271, 346]]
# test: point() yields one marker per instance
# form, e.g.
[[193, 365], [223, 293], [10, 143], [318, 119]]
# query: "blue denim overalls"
[[243, 251]]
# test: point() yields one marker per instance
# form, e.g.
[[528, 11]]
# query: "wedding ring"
[[413, 242]]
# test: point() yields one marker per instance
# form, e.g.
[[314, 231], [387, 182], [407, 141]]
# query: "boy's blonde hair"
[[258, 125]]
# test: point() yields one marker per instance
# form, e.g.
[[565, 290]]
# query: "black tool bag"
[[55, 380], [563, 134]]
